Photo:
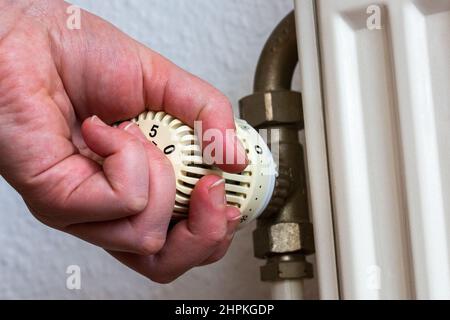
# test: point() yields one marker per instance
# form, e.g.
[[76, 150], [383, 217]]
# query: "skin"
[[60, 90]]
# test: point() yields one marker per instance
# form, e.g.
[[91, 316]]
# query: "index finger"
[[107, 73], [192, 100]]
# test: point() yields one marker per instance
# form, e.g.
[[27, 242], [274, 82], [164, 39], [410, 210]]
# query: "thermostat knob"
[[250, 190]]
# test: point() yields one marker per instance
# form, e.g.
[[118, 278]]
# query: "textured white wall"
[[218, 40]]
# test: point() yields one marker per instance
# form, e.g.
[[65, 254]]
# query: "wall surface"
[[218, 40]]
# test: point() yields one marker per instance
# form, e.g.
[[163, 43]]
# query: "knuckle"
[[134, 204], [151, 245]]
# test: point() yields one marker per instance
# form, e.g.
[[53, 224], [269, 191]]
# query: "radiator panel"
[[384, 102]]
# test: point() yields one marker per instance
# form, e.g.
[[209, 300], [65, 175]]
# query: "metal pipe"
[[278, 59], [284, 233], [288, 290]]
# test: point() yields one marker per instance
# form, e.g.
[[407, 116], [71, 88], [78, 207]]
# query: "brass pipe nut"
[[283, 237], [276, 270], [273, 107]]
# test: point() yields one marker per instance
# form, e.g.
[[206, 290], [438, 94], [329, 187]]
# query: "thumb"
[[125, 165], [120, 188]]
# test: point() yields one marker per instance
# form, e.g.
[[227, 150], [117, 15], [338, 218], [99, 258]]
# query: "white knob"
[[250, 190]]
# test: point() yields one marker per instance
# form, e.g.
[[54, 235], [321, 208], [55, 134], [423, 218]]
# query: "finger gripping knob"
[[250, 190]]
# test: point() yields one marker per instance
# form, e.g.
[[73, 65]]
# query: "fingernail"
[[217, 191], [233, 215], [97, 121]]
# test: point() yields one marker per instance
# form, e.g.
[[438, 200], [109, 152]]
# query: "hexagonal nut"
[[282, 107], [283, 237], [276, 270]]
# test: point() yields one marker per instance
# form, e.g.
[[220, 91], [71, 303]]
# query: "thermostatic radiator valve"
[[250, 190]]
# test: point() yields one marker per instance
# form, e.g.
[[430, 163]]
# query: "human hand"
[[55, 86]]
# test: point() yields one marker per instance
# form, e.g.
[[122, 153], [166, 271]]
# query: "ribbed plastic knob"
[[250, 190]]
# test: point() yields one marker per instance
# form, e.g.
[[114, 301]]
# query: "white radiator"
[[377, 114]]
